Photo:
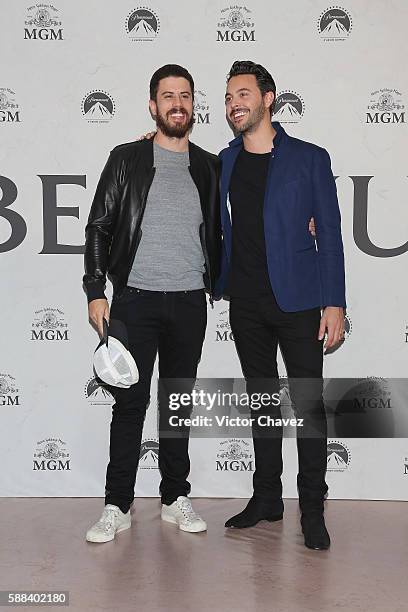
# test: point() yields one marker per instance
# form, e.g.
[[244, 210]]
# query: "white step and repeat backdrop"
[[74, 83]]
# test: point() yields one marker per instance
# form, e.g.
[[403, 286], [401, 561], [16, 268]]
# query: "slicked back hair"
[[263, 77]]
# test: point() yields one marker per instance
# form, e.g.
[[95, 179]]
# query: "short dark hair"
[[263, 77], [169, 70]]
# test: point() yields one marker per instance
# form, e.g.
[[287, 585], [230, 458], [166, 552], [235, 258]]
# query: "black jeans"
[[258, 326], [172, 324]]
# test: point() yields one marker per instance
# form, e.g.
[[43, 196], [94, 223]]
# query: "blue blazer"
[[304, 272]]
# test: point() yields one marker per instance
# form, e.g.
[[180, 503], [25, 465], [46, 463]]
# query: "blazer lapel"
[[228, 162]]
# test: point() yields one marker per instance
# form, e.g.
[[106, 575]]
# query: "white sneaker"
[[182, 514], [111, 522]]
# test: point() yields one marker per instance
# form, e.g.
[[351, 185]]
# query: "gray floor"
[[155, 567]]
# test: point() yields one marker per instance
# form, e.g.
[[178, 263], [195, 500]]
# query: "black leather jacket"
[[113, 230]]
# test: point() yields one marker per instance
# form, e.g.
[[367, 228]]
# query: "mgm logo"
[[223, 333], [385, 107], [234, 456], [201, 108], [371, 393], [51, 455], [49, 324], [8, 106], [8, 391], [236, 25], [42, 23]]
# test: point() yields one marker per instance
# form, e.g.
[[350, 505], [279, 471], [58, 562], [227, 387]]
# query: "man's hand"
[[147, 136], [98, 310], [332, 320], [312, 227]]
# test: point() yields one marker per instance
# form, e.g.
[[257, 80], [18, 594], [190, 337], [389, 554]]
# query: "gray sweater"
[[169, 256]]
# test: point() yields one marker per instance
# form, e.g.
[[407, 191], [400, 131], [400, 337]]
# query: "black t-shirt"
[[248, 275]]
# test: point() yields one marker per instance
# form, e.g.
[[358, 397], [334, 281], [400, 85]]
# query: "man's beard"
[[174, 131], [253, 120]]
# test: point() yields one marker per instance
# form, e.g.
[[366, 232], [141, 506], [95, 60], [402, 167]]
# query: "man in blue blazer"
[[286, 288]]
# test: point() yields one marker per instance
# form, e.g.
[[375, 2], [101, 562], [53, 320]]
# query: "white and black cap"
[[113, 363]]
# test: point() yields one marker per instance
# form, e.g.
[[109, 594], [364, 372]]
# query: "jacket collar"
[[193, 152], [280, 133], [146, 146]]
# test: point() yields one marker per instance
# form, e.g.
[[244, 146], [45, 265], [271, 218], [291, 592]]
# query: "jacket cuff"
[[95, 291], [338, 305]]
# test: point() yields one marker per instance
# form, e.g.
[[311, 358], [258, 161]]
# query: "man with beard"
[[278, 282], [154, 227]]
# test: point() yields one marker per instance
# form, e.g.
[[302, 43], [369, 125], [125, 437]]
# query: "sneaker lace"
[[108, 518], [186, 508]]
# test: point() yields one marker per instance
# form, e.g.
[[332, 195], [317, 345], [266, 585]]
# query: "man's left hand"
[[333, 321], [147, 136]]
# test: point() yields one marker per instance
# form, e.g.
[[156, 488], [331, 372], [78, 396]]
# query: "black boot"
[[255, 511], [315, 532]]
